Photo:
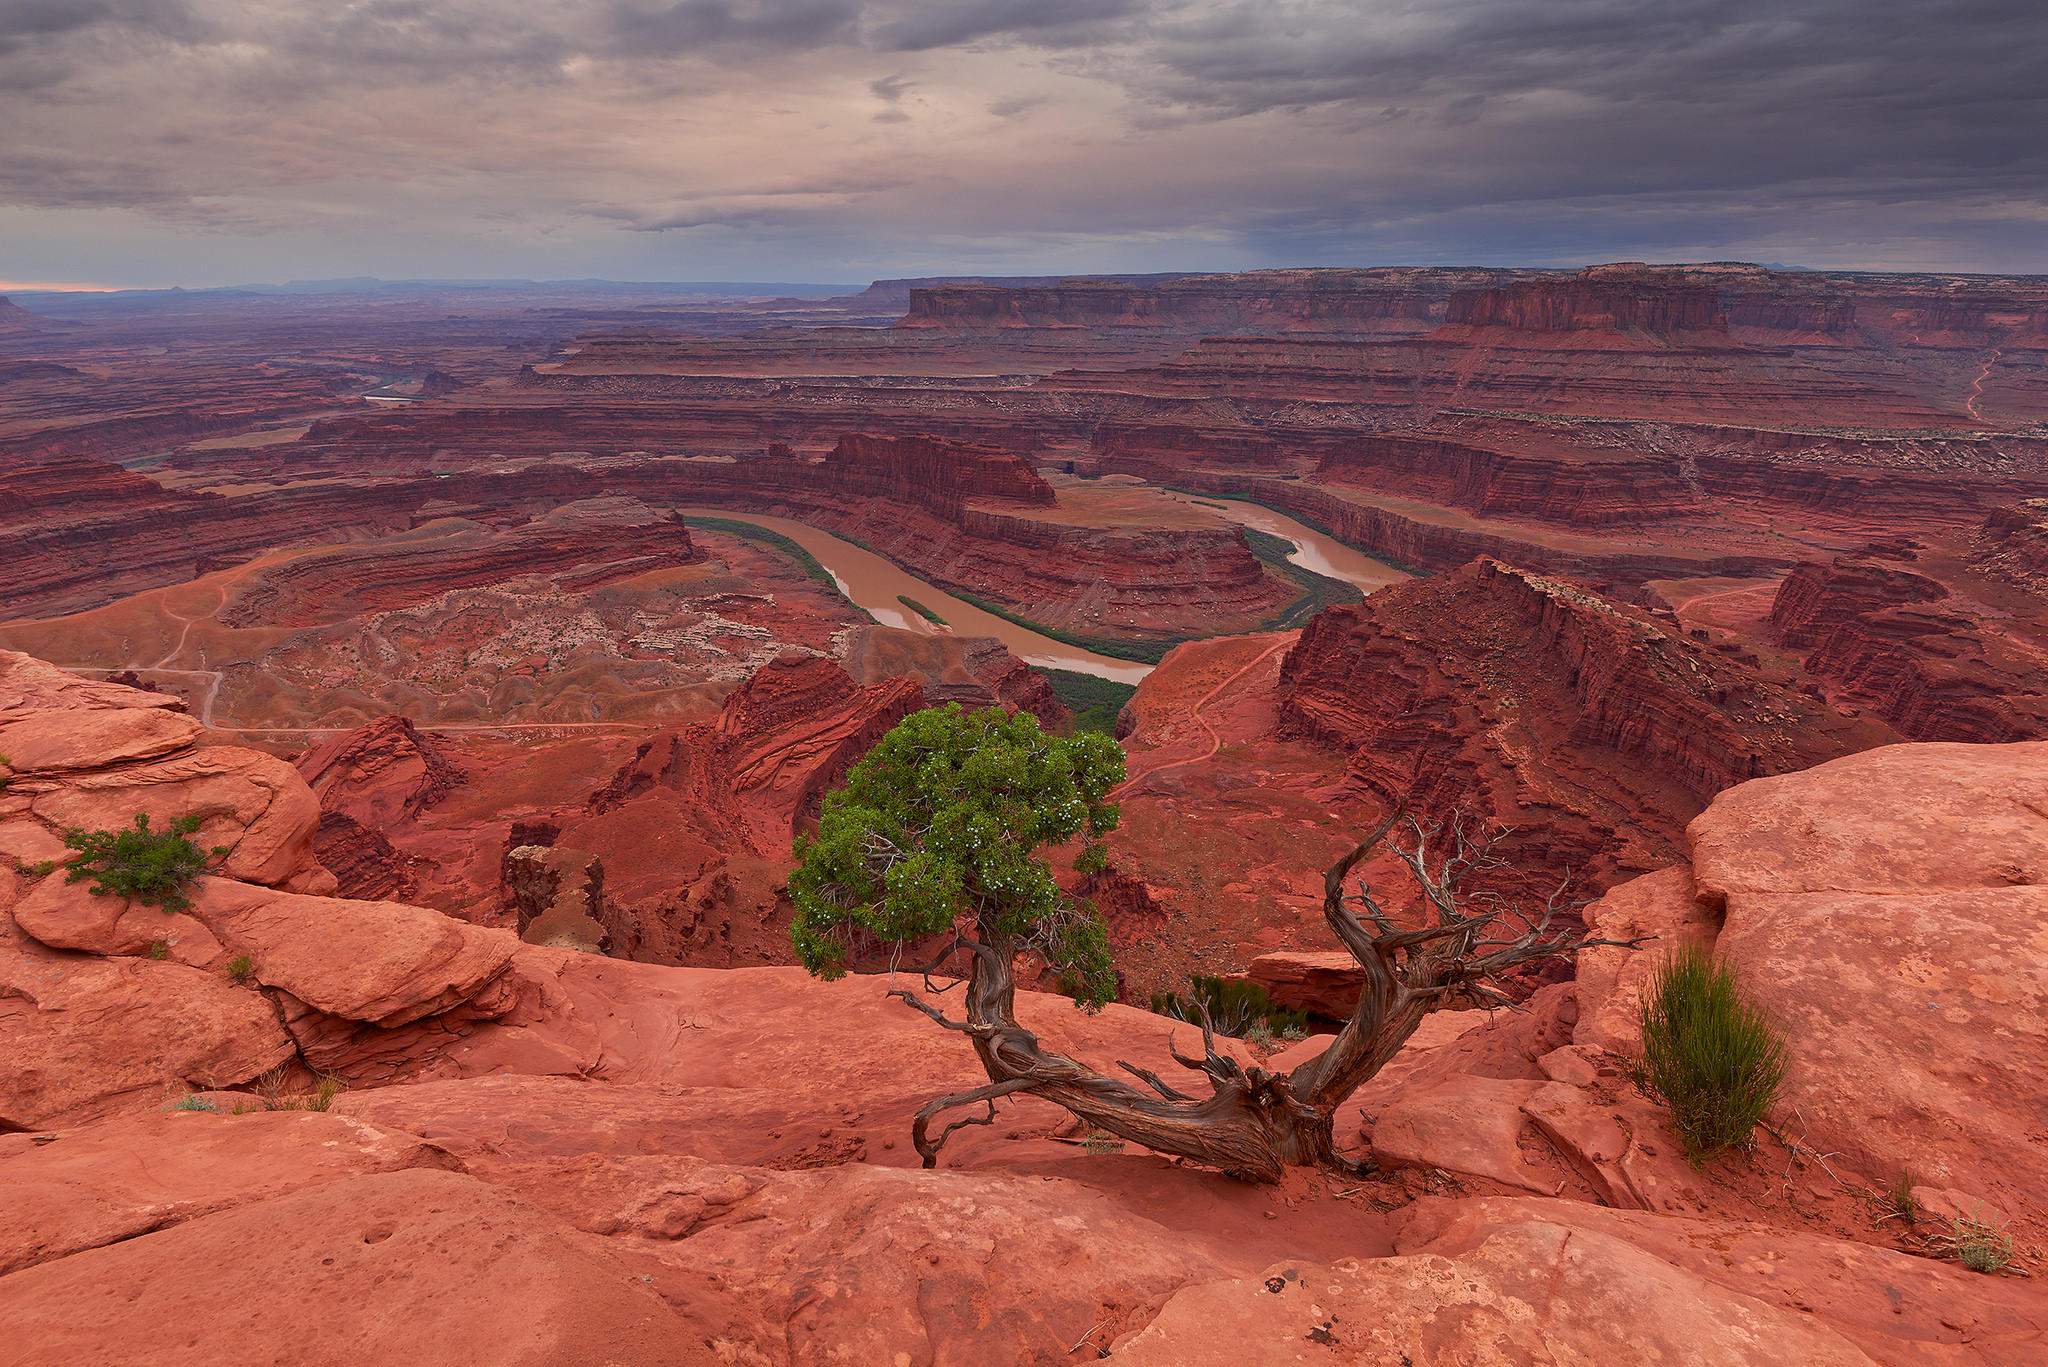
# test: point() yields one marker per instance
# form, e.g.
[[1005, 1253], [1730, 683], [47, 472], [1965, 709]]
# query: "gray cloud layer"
[[835, 139]]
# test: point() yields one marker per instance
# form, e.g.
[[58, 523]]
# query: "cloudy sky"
[[217, 141]]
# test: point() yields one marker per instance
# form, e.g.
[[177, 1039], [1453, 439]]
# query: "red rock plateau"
[[286, 1117]]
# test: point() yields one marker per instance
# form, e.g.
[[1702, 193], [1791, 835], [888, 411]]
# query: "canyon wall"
[[1889, 635], [1528, 699]]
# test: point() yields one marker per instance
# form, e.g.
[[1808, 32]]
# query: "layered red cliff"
[[1530, 700]]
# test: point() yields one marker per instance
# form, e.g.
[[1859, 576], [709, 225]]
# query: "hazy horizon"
[[204, 143]]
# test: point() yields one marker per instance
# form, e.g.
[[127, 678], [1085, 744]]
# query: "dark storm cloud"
[[694, 25], [1209, 132], [1061, 23]]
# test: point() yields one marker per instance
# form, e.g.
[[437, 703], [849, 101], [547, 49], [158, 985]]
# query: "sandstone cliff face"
[[1936, 665], [608, 538], [1649, 303], [382, 772], [1427, 546], [781, 740], [1532, 700], [936, 473]]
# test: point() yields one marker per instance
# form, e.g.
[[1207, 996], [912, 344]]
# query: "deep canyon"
[[508, 643]]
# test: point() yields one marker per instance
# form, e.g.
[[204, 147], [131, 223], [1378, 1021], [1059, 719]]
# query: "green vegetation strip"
[[920, 609], [1093, 700], [1319, 591]]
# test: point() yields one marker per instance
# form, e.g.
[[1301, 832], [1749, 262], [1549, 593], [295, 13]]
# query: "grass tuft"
[[1976, 1243], [1708, 1053]]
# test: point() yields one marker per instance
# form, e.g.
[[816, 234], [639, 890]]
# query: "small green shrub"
[[1976, 1243], [1709, 1054], [159, 950], [192, 1101], [1241, 1010], [45, 868], [240, 969], [147, 866]]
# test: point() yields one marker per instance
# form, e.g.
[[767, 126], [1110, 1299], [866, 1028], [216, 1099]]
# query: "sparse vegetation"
[[192, 1101], [920, 609], [1709, 1054], [1239, 1009], [1976, 1243], [270, 1089], [1899, 1202], [45, 868], [159, 950], [240, 969], [1094, 701], [1318, 591], [151, 867]]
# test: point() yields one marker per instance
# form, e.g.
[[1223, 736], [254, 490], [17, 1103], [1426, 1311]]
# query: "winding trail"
[[1976, 393], [1215, 741]]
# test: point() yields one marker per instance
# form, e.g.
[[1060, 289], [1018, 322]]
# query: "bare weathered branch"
[[1255, 1122]]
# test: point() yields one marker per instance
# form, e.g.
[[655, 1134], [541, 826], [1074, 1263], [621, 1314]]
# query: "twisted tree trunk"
[[1255, 1123]]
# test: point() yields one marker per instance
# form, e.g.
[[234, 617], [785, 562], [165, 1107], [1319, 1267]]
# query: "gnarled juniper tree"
[[936, 832]]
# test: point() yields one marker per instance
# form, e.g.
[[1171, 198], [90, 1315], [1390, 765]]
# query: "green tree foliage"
[[941, 822], [148, 866], [1710, 1055]]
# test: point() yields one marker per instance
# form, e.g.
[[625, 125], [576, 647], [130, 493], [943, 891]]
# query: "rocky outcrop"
[[557, 896], [974, 671], [1514, 694], [779, 742], [1933, 662], [380, 773], [937, 473], [589, 542], [363, 861], [2013, 543]]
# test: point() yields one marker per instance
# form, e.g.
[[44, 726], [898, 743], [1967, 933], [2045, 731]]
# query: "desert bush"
[[1976, 1243], [147, 866], [1239, 1009], [240, 969], [192, 1101], [1708, 1053]]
